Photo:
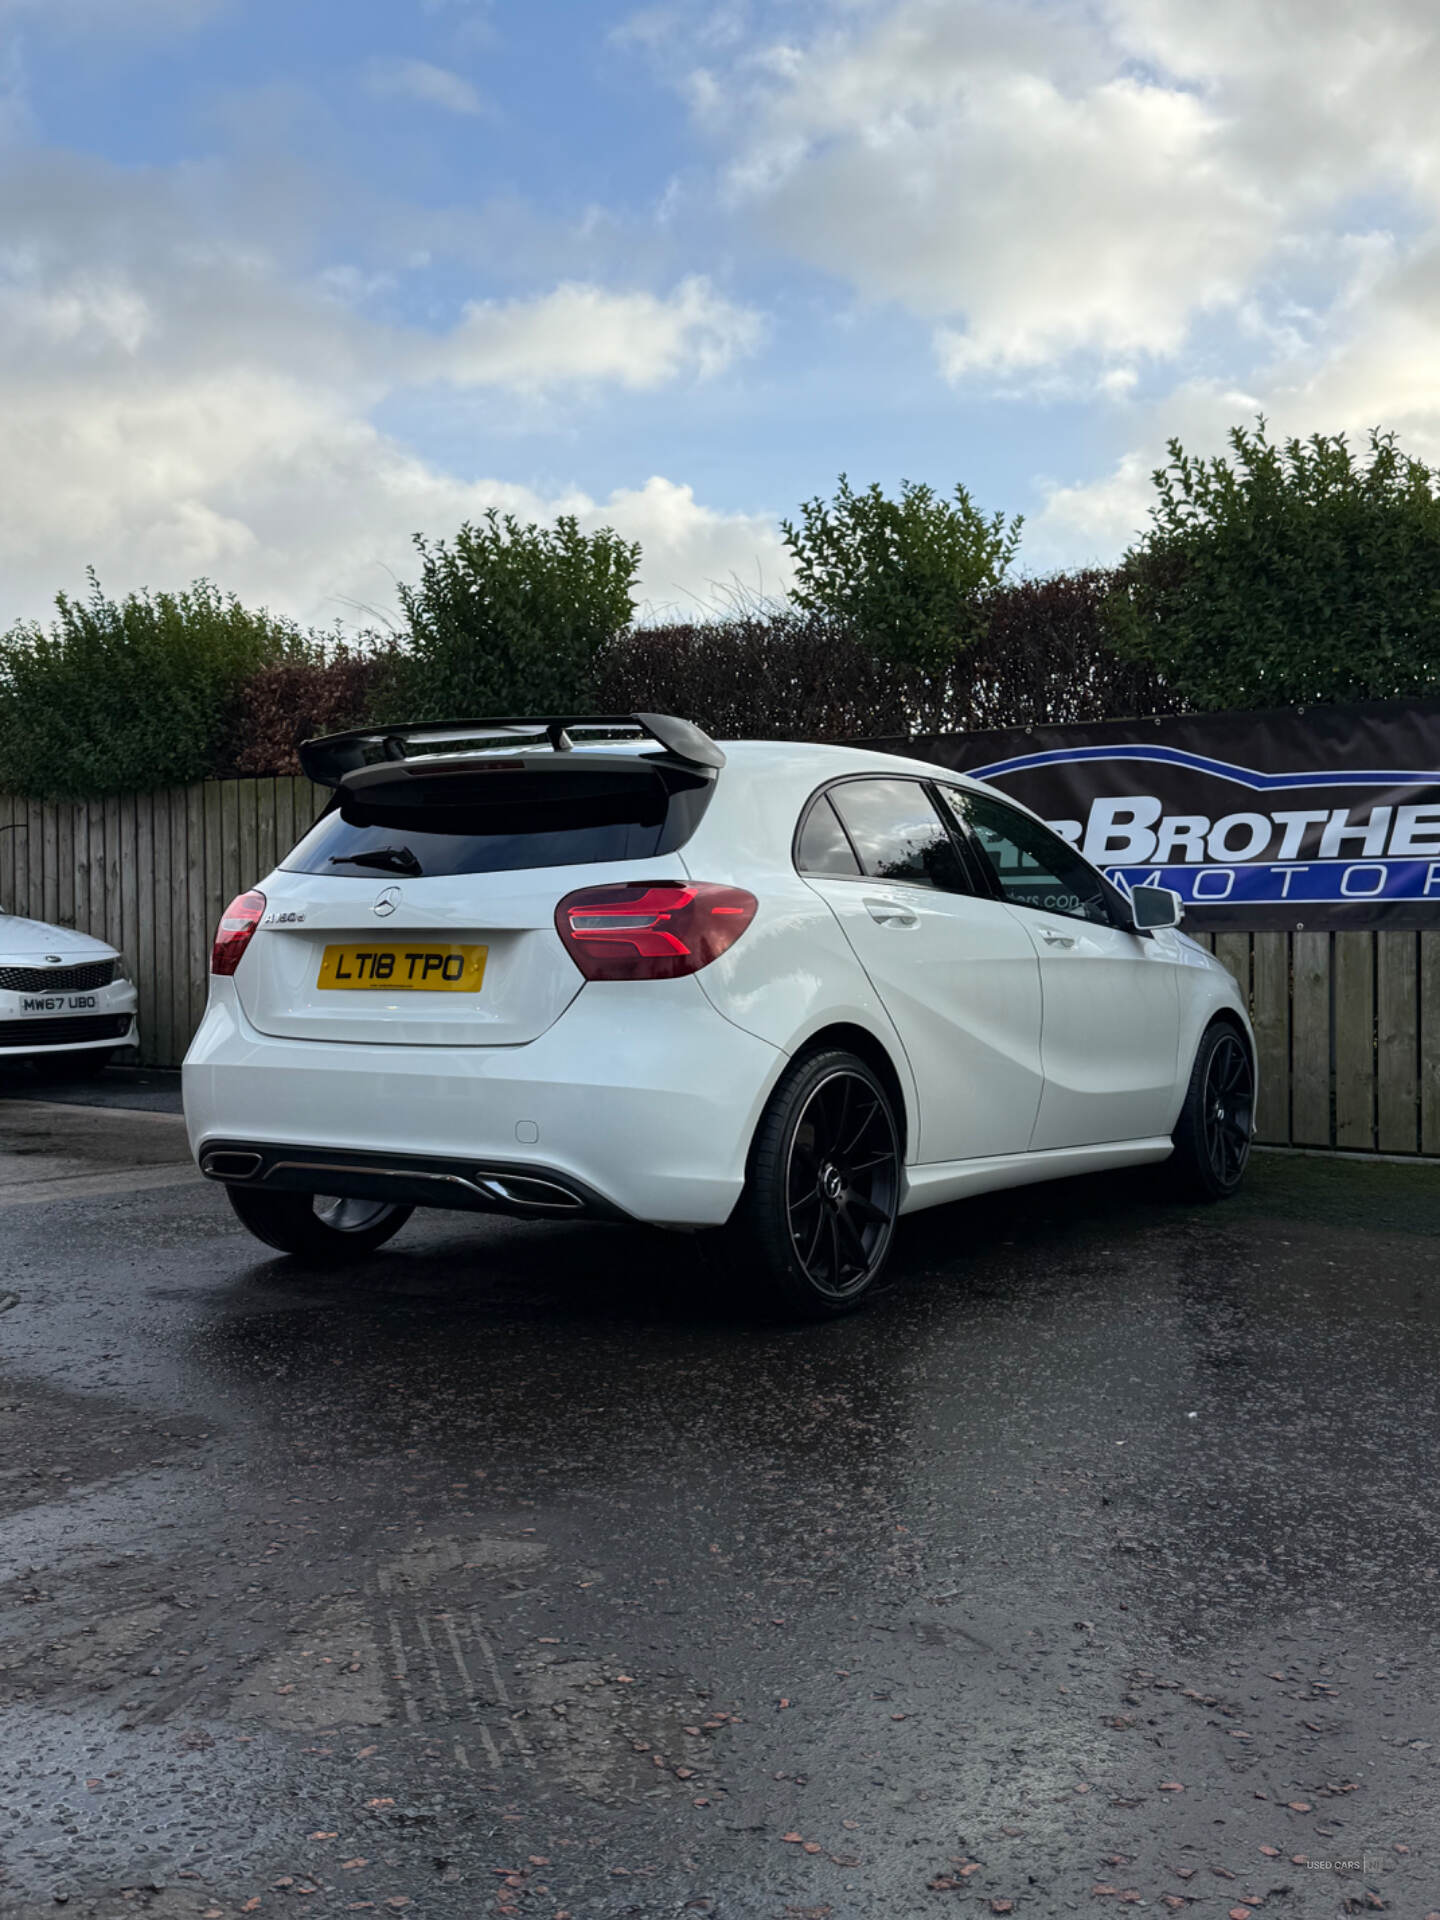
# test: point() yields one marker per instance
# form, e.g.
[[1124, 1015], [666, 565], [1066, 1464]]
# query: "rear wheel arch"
[[847, 1038], [812, 1229]]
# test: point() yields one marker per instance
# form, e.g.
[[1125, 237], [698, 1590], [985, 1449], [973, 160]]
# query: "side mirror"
[[1152, 907]]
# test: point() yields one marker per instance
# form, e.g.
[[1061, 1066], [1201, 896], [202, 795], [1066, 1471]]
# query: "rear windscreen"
[[437, 827]]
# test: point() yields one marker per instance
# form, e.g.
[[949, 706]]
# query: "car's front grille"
[[82, 979], [64, 1033]]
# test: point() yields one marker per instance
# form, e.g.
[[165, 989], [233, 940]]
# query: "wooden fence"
[[152, 873], [1347, 1024], [1347, 1028]]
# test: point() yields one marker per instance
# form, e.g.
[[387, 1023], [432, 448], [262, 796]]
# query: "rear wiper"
[[392, 859]]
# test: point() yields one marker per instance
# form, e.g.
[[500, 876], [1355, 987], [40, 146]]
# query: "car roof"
[[764, 784], [819, 762]]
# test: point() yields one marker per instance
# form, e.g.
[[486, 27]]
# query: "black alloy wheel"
[[820, 1204], [1217, 1122], [1229, 1108], [344, 1215], [840, 1189], [320, 1227]]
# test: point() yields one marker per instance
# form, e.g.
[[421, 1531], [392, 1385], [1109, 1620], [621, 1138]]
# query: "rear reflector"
[[232, 936], [653, 930]]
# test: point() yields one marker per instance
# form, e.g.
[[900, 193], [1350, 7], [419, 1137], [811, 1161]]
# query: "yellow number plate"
[[413, 967]]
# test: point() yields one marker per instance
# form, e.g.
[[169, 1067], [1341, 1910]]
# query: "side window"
[[1035, 867], [822, 847], [898, 834]]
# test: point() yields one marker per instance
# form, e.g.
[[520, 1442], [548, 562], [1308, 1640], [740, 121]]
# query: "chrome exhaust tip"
[[523, 1190], [230, 1166]]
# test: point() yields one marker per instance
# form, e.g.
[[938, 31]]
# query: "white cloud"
[[291, 499], [175, 403], [1093, 520], [585, 333], [1182, 213], [998, 170], [1373, 361], [394, 78], [694, 554], [1065, 178]]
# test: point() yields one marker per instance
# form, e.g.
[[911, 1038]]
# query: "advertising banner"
[[1300, 817]]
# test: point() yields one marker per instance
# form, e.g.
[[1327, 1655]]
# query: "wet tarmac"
[[521, 1570]]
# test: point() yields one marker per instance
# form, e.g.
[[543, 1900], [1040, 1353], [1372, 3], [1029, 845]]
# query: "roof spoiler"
[[329, 759]]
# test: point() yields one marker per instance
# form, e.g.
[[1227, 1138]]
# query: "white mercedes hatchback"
[[606, 968]]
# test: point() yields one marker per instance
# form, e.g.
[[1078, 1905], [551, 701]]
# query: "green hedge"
[[124, 696], [1287, 573], [1283, 573]]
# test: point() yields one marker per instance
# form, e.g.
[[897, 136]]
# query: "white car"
[[66, 999], [793, 991]]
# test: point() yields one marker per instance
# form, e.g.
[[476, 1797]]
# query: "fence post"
[[1310, 1041], [1397, 1041], [1354, 963], [1270, 1015]]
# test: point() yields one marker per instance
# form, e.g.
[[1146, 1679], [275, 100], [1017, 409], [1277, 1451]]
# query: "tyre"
[[319, 1226], [815, 1222], [73, 1066], [1212, 1137]]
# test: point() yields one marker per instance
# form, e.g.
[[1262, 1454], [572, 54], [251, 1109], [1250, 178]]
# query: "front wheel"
[[1212, 1138], [319, 1226], [817, 1216]]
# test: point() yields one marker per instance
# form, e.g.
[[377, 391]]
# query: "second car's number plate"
[[419, 967]]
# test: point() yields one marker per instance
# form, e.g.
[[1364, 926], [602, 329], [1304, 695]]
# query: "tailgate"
[[504, 996], [420, 909]]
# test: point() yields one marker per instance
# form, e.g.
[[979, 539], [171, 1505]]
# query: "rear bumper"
[[527, 1189], [641, 1100]]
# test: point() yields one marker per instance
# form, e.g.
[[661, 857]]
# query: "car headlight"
[[122, 971]]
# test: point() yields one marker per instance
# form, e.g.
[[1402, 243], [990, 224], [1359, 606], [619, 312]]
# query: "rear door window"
[[898, 835]]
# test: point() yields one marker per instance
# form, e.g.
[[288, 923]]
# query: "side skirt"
[[946, 1180]]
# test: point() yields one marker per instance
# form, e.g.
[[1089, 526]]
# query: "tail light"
[[654, 930], [232, 936]]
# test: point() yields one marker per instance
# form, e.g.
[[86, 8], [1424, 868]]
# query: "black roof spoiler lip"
[[329, 758]]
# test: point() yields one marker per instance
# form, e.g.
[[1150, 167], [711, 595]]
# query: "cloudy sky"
[[284, 281]]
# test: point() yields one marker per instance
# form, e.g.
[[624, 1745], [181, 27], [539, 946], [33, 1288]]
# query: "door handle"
[[887, 913], [1054, 939]]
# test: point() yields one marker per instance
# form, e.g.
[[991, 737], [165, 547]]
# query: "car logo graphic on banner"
[[1318, 817]]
